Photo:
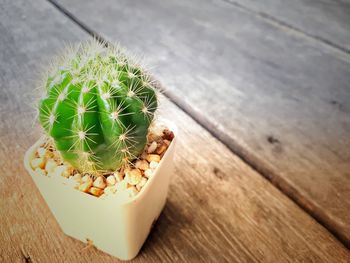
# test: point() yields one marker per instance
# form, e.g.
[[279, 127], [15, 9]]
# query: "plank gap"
[[280, 23]]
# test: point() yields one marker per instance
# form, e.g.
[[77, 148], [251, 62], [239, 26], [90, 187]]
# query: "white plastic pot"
[[117, 227]]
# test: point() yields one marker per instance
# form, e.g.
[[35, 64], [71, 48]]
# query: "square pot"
[[117, 227]]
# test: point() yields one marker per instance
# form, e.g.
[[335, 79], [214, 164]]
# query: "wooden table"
[[261, 97]]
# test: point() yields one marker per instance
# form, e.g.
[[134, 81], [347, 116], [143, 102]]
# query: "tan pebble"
[[148, 173], [49, 155], [70, 169], [37, 163], [50, 166], [141, 183], [121, 186], [142, 164], [152, 147], [111, 180], [99, 183], [133, 176], [144, 156], [118, 176], [153, 137], [153, 165], [39, 171], [161, 148], [95, 191], [41, 152], [84, 187], [77, 177], [153, 157]]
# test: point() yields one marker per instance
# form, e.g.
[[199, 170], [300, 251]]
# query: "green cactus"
[[98, 107]]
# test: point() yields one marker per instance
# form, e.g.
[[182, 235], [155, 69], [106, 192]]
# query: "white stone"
[[148, 173], [109, 190], [61, 170], [50, 166], [118, 176], [121, 186], [141, 183], [86, 179], [152, 147], [39, 171], [37, 163], [77, 177], [99, 183], [111, 180], [153, 165], [41, 152]]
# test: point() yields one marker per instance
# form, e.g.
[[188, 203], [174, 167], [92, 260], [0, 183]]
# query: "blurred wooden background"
[[261, 94]]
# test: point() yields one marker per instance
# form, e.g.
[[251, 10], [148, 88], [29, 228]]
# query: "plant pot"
[[117, 227]]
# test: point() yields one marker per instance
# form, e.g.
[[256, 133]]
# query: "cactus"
[[97, 108]]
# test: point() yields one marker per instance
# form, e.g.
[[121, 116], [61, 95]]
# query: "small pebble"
[[118, 176], [121, 186], [84, 187], [144, 155], [111, 180], [132, 191], [153, 165], [77, 177], [110, 190], [148, 173], [153, 157], [99, 183], [50, 166], [72, 182], [167, 134], [133, 176], [152, 147], [61, 170], [96, 191], [141, 183], [86, 179], [38, 163], [142, 164], [41, 152], [161, 148], [39, 171]]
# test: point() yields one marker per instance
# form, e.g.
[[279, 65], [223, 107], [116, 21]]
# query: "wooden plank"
[[326, 20], [277, 98], [219, 209]]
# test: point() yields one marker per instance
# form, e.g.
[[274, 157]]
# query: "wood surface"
[[326, 20], [218, 210], [277, 98]]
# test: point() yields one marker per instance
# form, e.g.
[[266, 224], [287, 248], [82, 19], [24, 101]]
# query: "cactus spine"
[[98, 107]]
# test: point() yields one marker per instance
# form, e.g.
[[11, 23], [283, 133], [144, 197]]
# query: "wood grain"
[[325, 20], [277, 98], [219, 209]]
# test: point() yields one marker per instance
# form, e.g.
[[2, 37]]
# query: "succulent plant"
[[98, 106]]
